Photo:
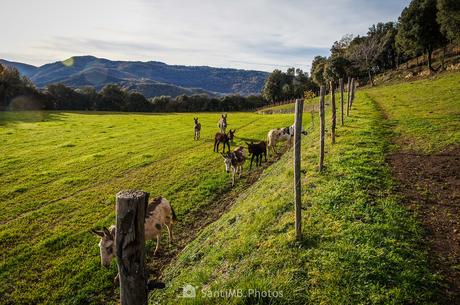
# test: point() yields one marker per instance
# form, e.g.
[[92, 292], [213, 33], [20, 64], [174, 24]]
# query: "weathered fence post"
[[321, 124], [297, 185], [312, 112], [341, 99], [353, 87], [333, 109], [130, 246], [348, 95]]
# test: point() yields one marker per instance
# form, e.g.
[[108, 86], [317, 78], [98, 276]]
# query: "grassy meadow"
[[425, 114], [60, 172], [59, 175], [360, 246]]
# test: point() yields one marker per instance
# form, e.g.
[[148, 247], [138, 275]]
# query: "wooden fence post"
[[333, 109], [297, 183], [312, 112], [130, 246], [321, 135], [353, 87], [341, 99], [348, 95]]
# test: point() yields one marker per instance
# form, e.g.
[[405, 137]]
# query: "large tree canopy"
[[419, 29], [449, 18], [287, 85]]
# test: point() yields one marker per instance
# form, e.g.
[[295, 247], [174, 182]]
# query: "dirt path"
[[430, 185], [188, 229]]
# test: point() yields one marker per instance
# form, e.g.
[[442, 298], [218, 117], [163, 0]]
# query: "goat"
[[281, 134], [159, 213], [234, 160], [221, 138], [197, 129], [257, 150], [223, 123]]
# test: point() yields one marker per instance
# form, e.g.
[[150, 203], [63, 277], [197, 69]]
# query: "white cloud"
[[247, 34]]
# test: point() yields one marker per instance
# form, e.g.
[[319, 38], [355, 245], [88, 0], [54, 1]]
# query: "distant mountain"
[[149, 78], [24, 69]]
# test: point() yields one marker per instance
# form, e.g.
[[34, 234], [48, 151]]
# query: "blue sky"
[[247, 34]]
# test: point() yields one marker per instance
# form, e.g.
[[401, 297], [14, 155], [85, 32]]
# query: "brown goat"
[[221, 138]]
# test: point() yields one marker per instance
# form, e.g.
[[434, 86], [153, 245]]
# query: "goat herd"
[[160, 212], [235, 159]]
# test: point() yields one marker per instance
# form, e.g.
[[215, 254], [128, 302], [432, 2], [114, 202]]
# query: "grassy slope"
[[59, 174], [360, 245], [309, 105], [425, 113]]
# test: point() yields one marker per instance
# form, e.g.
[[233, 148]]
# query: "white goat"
[[281, 134]]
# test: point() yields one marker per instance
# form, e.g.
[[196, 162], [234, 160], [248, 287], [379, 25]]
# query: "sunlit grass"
[[360, 245], [59, 175], [425, 113], [60, 171]]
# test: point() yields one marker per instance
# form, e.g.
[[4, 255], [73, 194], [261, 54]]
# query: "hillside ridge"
[[148, 78]]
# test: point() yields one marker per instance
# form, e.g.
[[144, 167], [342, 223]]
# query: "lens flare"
[[68, 62]]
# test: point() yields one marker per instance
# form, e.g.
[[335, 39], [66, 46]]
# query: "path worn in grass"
[[425, 161], [431, 187], [187, 229]]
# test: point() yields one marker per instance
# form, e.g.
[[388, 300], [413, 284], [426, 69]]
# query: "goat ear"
[[98, 233], [223, 155], [107, 232], [247, 143]]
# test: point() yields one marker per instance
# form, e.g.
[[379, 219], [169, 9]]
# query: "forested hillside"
[[148, 78]]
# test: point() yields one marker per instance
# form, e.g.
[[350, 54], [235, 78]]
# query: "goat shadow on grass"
[[249, 140]]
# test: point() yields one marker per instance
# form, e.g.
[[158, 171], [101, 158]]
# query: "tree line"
[[423, 26], [19, 93]]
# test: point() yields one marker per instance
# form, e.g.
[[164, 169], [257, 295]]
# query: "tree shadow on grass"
[[15, 117]]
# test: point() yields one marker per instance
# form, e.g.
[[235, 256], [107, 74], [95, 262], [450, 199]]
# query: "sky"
[[246, 34]]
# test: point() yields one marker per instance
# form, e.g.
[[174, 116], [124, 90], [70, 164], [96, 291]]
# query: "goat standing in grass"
[[281, 134], [234, 160], [257, 150], [197, 129], [159, 213], [221, 138], [223, 123]]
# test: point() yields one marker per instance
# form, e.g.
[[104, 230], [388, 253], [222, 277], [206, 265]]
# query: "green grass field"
[[361, 246], [425, 114], [60, 172]]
